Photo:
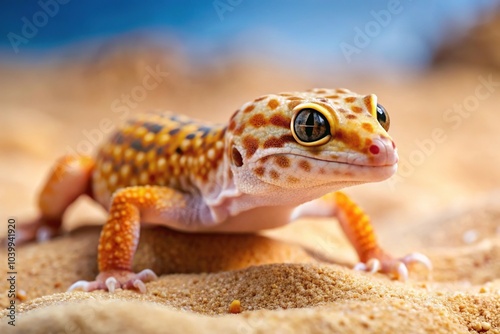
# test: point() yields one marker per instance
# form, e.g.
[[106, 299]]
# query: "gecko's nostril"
[[374, 149]]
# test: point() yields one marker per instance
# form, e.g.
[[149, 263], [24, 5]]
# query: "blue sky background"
[[289, 31]]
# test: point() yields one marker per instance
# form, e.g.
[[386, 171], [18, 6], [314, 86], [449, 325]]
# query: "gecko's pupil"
[[310, 125], [383, 117]]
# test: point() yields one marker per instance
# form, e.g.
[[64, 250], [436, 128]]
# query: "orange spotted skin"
[[279, 157], [158, 149]]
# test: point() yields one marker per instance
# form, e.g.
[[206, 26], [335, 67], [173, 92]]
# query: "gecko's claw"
[[112, 280]]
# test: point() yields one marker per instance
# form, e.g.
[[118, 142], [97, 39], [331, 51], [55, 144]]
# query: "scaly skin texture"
[[280, 157]]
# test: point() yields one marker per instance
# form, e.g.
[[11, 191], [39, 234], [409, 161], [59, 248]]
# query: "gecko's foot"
[[395, 267], [115, 279], [38, 229]]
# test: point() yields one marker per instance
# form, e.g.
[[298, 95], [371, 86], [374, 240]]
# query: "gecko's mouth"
[[355, 162], [349, 163], [305, 170]]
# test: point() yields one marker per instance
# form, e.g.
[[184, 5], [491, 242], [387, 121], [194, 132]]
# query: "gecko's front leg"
[[120, 234], [358, 229]]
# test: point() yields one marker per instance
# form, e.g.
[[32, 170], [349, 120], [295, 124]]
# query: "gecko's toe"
[[139, 285], [84, 285], [401, 272], [147, 275], [138, 280], [417, 258], [111, 284], [115, 279], [398, 268], [371, 266]]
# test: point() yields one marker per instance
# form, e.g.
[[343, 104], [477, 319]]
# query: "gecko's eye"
[[383, 117], [310, 127]]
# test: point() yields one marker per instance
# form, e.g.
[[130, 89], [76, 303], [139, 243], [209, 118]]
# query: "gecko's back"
[[157, 148]]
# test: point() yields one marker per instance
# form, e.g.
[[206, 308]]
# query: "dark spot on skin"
[[258, 120], [239, 130], [173, 132], [274, 174], [222, 132], [249, 108], [368, 127], [191, 136], [285, 94], [181, 120], [350, 138], [118, 139], [357, 109], [368, 103], [264, 159], [232, 125], [160, 151], [237, 159], [280, 121], [287, 139], [274, 142], [282, 161], [321, 91], [204, 131], [273, 104], [251, 144], [153, 127], [234, 115], [350, 99], [260, 98], [293, 179], [259, 171], [335, 96], [344, 111], [305, 165], [137, 145], [293, 104], [314, 150], [351, 116], [293, 98], [342, 91], [323, 100], [178, 150]]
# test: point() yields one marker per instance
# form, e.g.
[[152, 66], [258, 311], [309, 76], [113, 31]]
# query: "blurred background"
[[68, 67]]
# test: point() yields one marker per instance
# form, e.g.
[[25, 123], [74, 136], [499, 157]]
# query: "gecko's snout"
[[383, 152]]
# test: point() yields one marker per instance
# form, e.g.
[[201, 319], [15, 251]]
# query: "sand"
[[296, 279]]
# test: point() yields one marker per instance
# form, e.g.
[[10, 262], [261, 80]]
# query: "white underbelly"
[[261, 218]]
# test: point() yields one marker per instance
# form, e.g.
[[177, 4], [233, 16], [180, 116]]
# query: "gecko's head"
[[320, 138]]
